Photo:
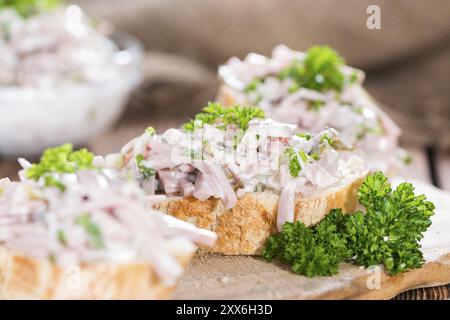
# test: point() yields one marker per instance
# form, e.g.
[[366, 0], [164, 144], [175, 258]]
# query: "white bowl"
[[32, 119]]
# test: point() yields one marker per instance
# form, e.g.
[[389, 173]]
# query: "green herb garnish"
[[376, 129], [146, 172], [315, 251], [320, 70], [215, 113], [92, 230], [407, 159], [294, 164], [326, 139], [60, 159], [304, 135], [316, 105], [388, 233], [52, 258], [150, 130], [61, 236], [353, 77], [253, 85], [27, 8]]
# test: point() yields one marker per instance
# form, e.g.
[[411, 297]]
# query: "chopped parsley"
[[52, 258], [315, 156], [294, 164], [303, 155], [150, 130], [215, 113], [406, 158], [353, 77], [147, 173], [27, 8], [315, 105], [237, 137], [320, 70], [253, 85], [61, 236], [304, 135], [388, 233], [364, 130], [92, 230], [60, 159], [326, 139]]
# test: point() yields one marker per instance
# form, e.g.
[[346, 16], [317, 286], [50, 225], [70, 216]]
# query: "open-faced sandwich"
[[315, 90], [72, 231], [241, 175]]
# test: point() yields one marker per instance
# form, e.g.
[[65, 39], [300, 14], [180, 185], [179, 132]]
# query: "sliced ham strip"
[[214, 176], [203, 189], [187, 188], [170, 181], [286, 204]]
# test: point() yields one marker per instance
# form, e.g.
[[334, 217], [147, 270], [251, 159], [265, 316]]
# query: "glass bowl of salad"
[[61, 78]]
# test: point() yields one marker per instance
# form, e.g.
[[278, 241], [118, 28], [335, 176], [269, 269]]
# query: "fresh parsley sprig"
[[293, 158], [294, 165], [390, 230], [388, 233], [320, 70], [27, 8], [215, 113], [61, 159], [146, 172], [313, 251]]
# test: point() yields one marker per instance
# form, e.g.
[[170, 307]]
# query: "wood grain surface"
[[213, 276]]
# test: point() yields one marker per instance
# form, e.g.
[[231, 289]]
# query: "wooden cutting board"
[[226, 277]]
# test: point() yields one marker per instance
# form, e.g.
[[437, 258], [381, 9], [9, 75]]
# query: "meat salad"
[[91, 216], [225, 153], [316, 90]]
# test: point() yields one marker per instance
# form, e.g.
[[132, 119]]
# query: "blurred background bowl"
[[32, 119]]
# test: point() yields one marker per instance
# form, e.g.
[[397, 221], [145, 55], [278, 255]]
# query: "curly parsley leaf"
[[294, 164], [150, 130], [215, 113], [146, 172], [320, 70], [388, 233], [253, 85], [92, 230], [311, 252], [304, 135], [60, 159], [293, 157], [27, 8]]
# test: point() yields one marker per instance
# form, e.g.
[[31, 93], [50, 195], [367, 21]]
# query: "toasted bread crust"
[[25, 278], [243, 229]]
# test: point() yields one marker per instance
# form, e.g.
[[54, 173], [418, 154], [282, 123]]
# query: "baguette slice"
[[25, 278], [244, 229]]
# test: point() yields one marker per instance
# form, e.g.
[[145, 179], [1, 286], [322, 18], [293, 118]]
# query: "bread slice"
[[244, 229], [25, 278]]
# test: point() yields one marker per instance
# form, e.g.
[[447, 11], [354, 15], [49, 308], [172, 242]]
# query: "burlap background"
[[408, 60]]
